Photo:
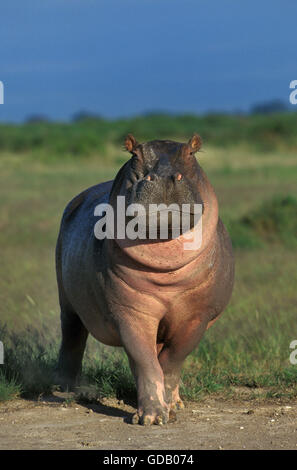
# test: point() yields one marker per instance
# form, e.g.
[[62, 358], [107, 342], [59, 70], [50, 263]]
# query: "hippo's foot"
[[151, 410], [157, 416], [65, 384], [66, 387], [177, 405], [173, 398]]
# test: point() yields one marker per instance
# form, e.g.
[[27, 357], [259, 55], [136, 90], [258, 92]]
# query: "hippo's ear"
[[130, 143], [195, 143]]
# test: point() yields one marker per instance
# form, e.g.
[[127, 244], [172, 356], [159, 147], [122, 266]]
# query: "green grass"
[[248, 346], [29, 362]]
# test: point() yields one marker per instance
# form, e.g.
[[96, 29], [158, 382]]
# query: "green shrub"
[[88, 136], [274, 221]]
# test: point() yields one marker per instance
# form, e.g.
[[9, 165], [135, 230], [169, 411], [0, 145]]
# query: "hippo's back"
[[85, 202]]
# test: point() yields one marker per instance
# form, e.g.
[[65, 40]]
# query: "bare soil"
[[214, 423]]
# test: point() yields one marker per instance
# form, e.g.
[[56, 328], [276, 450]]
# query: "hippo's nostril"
[[177, 177], [149, 177]]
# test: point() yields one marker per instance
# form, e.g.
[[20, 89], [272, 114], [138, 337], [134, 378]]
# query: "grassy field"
[[248, 346]]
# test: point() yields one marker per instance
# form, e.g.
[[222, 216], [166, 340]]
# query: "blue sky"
[[123, 57]]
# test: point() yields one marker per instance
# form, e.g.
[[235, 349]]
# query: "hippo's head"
[[161, 172]]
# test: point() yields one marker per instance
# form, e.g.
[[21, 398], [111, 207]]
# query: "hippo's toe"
[[179, 405], [172, 416], [159, 417], [147, 420], [135, 418]]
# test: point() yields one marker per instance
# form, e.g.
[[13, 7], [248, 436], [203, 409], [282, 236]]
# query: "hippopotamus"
[[152, 297]]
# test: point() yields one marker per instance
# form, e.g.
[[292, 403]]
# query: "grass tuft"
[[9, 388]]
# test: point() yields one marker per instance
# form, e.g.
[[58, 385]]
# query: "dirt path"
[[215, 423]]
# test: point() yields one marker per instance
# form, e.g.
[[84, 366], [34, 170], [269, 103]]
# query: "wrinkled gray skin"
[[153, 298]]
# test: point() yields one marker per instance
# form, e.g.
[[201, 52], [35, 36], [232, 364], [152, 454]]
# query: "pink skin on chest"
[[163, 266], [162, 280]]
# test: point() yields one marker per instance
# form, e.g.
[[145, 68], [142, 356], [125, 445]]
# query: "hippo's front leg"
[[171, 371], [138, 333], [173, 355]]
